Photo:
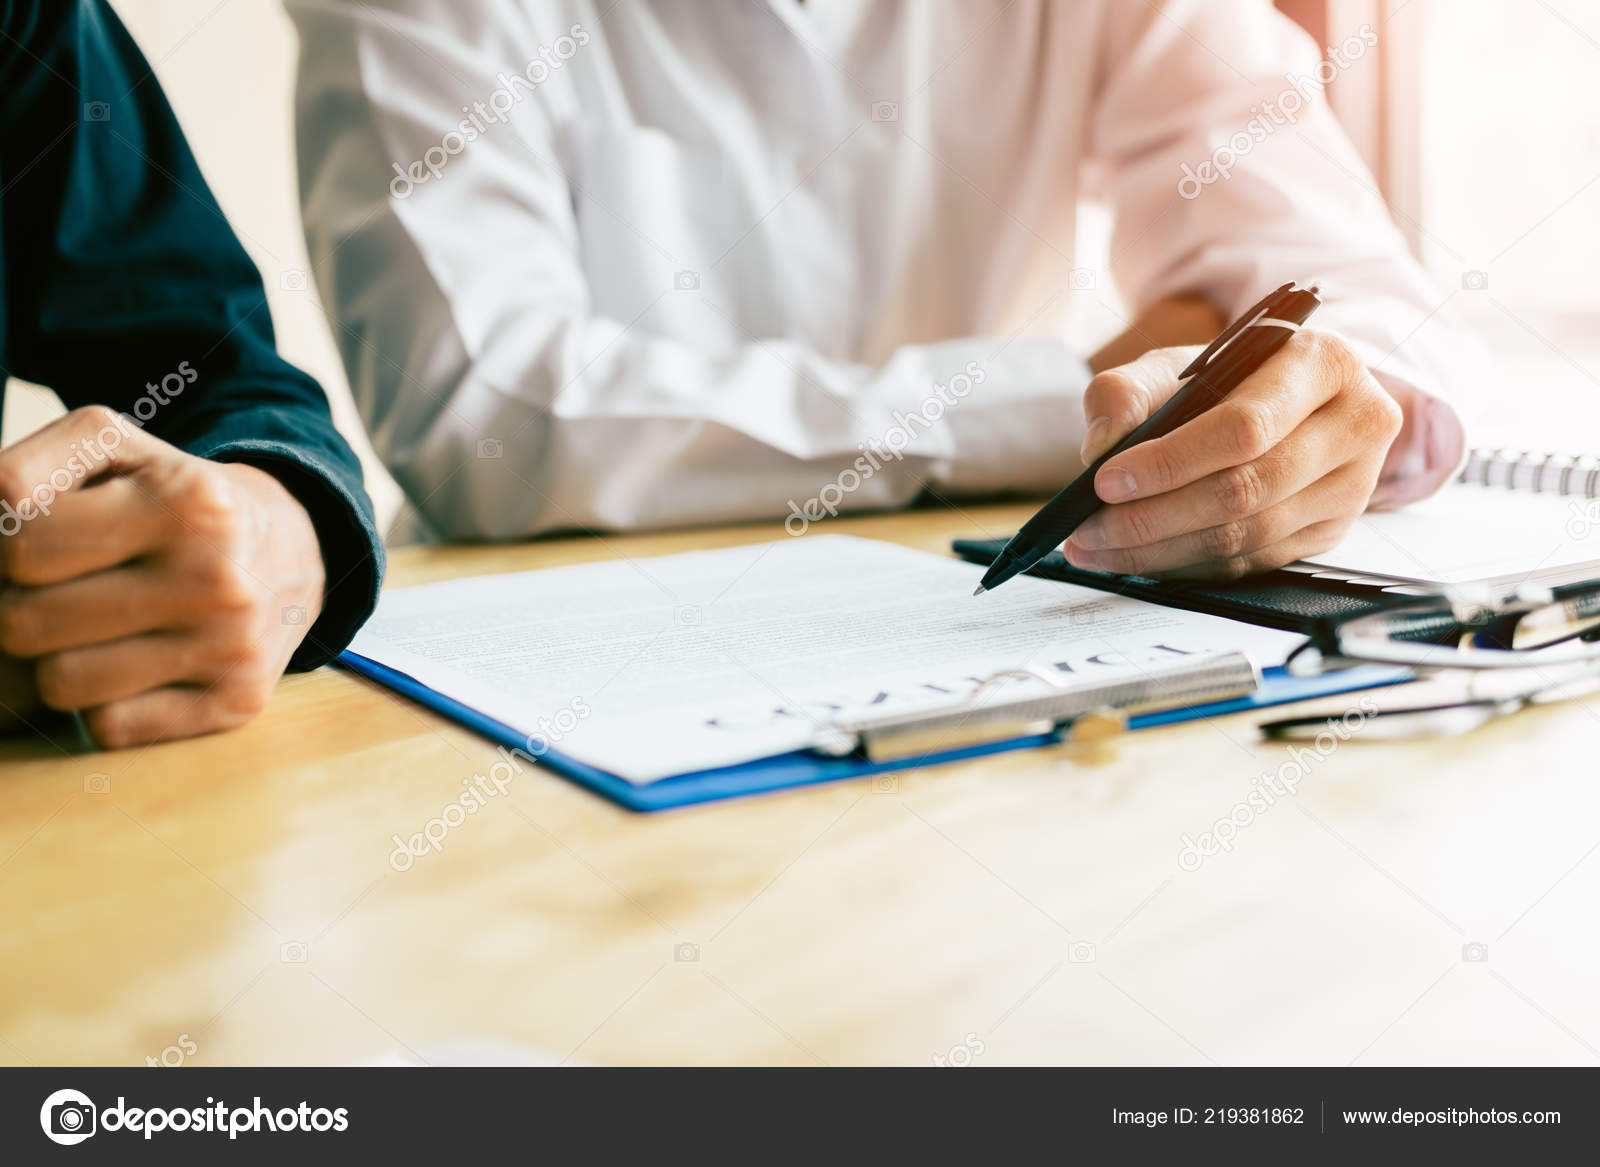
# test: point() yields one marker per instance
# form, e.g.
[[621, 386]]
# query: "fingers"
[[1307, 522], [1119, 399], [81, 678], [88, 530], [45, 469], [1300, 377], [67, 454], [226, 654], [1247, 511], [171, 712], [1228, 496], [1211, 554], [107, 605], [138, 575], [1304, 544]]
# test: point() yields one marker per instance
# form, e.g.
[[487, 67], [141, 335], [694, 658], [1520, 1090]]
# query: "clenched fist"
[[156, 593], [1277, 471]]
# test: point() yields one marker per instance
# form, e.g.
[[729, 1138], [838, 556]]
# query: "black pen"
[[1240, 350]]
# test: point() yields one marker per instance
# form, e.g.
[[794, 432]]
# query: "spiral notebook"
[[1511, 517]]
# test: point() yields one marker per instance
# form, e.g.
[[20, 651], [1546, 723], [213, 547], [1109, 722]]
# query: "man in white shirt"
[[634, 264]]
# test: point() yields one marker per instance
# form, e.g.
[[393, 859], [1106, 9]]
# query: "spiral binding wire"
[[1538, 471]]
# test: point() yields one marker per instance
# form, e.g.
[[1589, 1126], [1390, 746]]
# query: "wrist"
[[1168, 323], [1425, 453]]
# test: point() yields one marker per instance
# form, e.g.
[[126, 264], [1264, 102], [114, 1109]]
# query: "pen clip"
[[1268, 305]]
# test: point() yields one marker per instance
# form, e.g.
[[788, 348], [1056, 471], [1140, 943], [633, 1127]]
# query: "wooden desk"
[[235, 894]]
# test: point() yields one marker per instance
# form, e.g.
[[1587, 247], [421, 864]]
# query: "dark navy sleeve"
[[124, 286]]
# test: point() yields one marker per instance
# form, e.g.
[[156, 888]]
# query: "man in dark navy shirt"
[[195, 525]]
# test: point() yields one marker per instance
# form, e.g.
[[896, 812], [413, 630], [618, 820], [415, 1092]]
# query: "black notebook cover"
[[1292, 601]]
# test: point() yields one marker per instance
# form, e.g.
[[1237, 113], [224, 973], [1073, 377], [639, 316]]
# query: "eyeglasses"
[[1489, 694], [1465, 628], [1532, 647]]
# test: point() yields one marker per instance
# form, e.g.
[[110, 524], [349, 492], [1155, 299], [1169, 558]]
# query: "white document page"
[[648, 668], [1468, 532]]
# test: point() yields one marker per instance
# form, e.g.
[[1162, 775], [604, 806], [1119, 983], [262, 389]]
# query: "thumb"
[[1118, 399]]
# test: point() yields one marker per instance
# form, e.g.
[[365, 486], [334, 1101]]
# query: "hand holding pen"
[[1261, 450]]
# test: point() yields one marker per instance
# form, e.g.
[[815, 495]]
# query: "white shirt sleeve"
[[1228, 175], [505, 405]]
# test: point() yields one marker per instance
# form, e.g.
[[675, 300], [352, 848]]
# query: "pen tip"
[[980, 591]]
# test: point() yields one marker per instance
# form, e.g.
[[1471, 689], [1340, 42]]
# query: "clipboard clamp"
[[1064, 706]]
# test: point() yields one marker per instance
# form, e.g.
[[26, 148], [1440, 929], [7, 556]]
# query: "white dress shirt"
[[633, 264]]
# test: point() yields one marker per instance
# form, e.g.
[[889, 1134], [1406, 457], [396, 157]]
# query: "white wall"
[[228, 69]]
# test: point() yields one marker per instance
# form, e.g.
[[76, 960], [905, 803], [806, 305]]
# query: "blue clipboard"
[[804, 768]]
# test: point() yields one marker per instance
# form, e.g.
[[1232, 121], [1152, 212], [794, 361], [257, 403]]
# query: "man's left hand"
[[158, 594]]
